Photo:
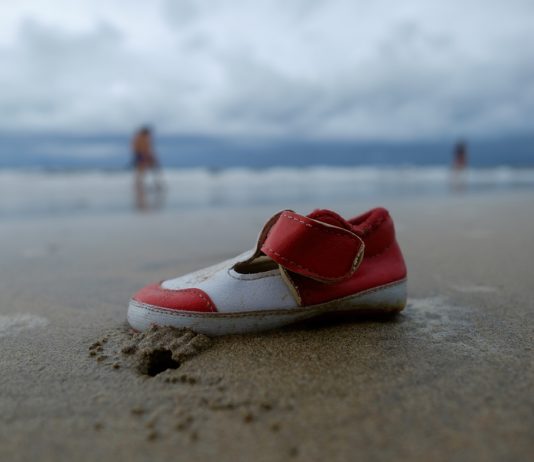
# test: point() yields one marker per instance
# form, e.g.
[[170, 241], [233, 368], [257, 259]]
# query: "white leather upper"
[[234, 292]]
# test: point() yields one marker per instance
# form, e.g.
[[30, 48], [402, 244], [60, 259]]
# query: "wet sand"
[[450, 378]]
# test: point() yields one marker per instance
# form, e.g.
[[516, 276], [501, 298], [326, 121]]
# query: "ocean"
[[55, 175], [111, 152]]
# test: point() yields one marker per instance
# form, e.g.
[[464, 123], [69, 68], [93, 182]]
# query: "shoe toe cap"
[[183, 299]]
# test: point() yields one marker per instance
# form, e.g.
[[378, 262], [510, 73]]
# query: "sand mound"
[[151, 352], [184, 401]]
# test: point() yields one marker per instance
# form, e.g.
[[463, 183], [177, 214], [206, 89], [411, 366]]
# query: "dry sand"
[[451, 378]]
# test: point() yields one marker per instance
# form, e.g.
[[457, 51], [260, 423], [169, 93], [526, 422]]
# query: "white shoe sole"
[[389, 298]]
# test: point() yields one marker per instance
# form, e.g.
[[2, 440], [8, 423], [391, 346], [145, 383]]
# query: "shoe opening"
[[262, 264]]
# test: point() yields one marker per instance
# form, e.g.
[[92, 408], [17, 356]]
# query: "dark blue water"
[[60, 151]]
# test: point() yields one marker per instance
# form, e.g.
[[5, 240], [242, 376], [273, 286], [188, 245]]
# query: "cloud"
[[340, 68]]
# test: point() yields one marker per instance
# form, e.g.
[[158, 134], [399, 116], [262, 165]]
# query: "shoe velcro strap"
[[312, 248]]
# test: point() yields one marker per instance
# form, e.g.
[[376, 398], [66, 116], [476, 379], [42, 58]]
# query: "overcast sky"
[[335, 68]]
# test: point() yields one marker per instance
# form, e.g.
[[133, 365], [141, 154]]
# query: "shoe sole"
[[385, 299]]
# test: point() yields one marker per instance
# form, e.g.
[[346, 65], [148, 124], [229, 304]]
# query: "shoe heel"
[[388, 299]]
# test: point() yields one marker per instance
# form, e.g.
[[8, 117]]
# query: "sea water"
[[64, 174], [25, 193]]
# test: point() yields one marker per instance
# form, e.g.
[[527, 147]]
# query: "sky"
[[343, 69]]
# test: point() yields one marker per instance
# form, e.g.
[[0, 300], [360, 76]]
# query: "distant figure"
[[460, 156], [459, 180], [144, 161], [144, 157]]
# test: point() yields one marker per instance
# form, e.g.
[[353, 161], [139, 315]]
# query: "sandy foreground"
[[451, 378]]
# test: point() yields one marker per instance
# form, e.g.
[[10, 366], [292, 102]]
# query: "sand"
[[450, 378]]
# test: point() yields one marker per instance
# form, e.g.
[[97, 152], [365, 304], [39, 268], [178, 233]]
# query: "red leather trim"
[[383, 262], [374, 271], [376, 229], [184, 299], [312, 248]]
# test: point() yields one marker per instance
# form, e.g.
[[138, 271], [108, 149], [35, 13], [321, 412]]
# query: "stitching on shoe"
[[174, 312], [321, 276], [296, 219], [290, 261], [324, 230], [209, 304], [321, 229], [253, 278]]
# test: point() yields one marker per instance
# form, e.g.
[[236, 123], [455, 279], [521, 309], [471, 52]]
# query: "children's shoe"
[[303, 266]]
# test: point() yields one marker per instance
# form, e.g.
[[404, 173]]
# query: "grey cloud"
[[182, 12], [185, 13], [292, 67], [417, 85], [260, 95], [52, 72]]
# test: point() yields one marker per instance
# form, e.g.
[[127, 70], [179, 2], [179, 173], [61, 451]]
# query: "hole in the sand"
[[159, 361]]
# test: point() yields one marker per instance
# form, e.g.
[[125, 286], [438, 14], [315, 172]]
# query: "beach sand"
[[451, 378]]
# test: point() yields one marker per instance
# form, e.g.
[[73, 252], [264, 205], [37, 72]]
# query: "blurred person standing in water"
[[459, 165], [145, 160], [460, 156]]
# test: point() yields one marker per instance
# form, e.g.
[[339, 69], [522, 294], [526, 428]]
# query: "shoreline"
[[72, 197]]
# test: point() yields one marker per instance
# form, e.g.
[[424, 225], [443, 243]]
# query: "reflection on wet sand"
[[149, 196]]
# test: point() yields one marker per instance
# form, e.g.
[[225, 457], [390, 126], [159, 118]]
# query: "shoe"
[[302, 267]]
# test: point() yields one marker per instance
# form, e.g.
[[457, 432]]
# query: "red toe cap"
[[183, 299]]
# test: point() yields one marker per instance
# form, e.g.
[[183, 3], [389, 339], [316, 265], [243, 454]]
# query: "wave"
[[30, 192]]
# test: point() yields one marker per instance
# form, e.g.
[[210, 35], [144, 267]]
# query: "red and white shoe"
[[303, 266]]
